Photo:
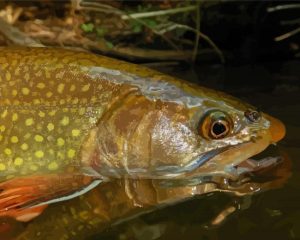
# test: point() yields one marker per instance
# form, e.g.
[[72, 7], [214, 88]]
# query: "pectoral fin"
[[26, 197]]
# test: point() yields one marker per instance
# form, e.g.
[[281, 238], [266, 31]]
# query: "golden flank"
[[70, 121]]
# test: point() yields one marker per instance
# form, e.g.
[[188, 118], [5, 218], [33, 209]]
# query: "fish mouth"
[[235, 160], [266, 170]]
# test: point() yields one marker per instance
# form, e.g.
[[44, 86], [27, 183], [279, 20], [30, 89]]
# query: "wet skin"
[[73, 120]]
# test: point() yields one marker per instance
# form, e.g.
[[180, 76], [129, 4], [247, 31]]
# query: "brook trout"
[[70, 121]]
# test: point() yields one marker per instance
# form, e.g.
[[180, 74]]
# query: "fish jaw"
[[228, 160]]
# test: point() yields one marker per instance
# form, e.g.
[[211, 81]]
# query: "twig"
[[152, 54], [282, 7], [157, 33], [158, 13], [287, 35], [198, 30], [290, 22], [109, 9], [16, 36], [97, 7], [199, 35]]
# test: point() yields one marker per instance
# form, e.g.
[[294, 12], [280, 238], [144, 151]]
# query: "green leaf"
[[137, 28], [150, 23], [101, 31], [87, 27], [109, 44]]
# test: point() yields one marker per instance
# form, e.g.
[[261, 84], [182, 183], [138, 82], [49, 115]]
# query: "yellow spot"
[[26, 76], [60, 142], [17, 71], [72, 88], [2, 167], [52, 166], [24, 146], [47, 74], [29, 121], [1, 137], [86, 87], [27, 135], [4, 66], [65, 121], [50, 126], [60, 155], [39, 127], [60, 88], [4, 114], [7, 151], [36, 101], [39, 154], [14, 92], [52, 113], [38, 73], [18, 161], [81, 111], [14, 139], [14, 117], [75, 132], [14, 62], [38, 138], [71, 153], [2, 128], [16, 102], [62, 101], [41, 114], [84, 215], [8, 76], [41, 85], [75, 100], [33, 167], [49, 94], [25, 91]]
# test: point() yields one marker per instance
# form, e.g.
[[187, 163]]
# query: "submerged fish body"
[[71, 120]]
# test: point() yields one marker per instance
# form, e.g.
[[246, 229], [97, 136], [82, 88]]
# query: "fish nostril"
[[252, 115]]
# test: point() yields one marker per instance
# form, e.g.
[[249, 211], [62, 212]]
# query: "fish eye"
[[215, 125]]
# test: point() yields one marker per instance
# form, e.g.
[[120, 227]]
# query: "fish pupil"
[[218, 129]]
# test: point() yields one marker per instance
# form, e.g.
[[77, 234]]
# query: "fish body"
[[71, 120]]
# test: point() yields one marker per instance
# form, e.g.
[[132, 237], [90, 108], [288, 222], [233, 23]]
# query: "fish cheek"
[[121, 136], [173, 139]]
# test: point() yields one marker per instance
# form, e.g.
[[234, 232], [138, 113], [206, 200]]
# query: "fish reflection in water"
[[114, 203]]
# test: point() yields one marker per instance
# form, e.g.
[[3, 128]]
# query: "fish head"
[[173, 129]]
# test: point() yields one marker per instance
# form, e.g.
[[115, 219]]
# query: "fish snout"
[[277, 128]]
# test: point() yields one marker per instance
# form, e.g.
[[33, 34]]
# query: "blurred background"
[[250, 49]]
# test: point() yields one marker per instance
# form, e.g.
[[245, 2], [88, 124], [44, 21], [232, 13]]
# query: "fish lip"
[[204, 158], [192, 165], [199, 161]]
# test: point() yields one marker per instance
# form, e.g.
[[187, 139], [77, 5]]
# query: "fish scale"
[[46, 111]]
